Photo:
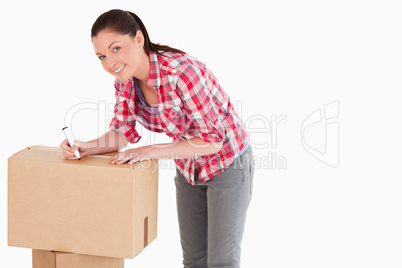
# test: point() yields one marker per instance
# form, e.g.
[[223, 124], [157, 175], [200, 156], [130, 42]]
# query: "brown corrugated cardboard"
[[85, 207], [55, 259]]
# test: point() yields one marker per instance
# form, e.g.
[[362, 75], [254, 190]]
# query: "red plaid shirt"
[[191, 104]]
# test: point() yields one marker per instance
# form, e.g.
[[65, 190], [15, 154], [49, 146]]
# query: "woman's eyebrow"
[[108, 46], [112, 44]]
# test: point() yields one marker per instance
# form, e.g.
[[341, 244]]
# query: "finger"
[[132, 161], [76, 146], [115, 158], [68, 154], [64, 145], [72, 158], [134, 158], [68, 149], [127, 157], [123, 159]]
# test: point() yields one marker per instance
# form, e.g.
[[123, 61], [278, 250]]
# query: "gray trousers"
[[212, 215]]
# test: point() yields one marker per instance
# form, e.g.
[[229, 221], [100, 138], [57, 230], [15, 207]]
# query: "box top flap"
[[58, 149], [55, 155]]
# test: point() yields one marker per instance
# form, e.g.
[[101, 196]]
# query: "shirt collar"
[[154, 72]]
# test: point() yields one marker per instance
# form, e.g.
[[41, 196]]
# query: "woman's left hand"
[[130, 156]]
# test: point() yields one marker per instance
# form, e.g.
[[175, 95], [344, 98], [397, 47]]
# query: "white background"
[[273, 58]]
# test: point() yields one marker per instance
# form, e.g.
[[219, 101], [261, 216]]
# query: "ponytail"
[[126, 22]]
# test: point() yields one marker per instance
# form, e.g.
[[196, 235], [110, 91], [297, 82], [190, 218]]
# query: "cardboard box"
[[85, 207], [54, 259]]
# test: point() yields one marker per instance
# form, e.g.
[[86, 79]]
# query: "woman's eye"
[[101, 57], [116, 49]]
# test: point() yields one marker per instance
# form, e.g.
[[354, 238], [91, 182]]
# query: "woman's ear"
[[139, 38]]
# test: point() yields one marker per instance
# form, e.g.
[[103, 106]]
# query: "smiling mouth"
[[121, 68]]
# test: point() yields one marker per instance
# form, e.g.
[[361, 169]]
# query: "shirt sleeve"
[[199, 105], [123, 120]]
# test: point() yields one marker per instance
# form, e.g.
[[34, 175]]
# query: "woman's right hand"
[[68, 152]]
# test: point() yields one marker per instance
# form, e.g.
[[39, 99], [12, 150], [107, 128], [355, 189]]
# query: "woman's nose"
[[112, 64]]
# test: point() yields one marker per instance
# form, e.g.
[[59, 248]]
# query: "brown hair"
[[125, 22]]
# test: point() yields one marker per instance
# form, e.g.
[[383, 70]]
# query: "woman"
[[166, 90]]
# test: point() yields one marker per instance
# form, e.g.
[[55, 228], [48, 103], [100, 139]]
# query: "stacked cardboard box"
[[86, 207], [54, 259]]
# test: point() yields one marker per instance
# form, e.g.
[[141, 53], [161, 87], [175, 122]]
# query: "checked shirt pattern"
[[191, 103]]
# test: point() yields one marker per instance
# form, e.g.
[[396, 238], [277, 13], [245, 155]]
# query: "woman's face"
[[120, 55]]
